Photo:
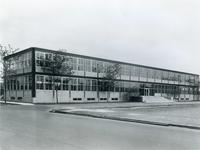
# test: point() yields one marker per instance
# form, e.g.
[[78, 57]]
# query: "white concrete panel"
[[134, 78], [164, 81], [78, 73], [19, 95], [171, 82], [91, 74], [27, 96], [150, 80], [75, 95], [44, 96], [103, 96], [101, 75], [63, 97], [91, 94], [143, 79], [114, 95], [123, 77]]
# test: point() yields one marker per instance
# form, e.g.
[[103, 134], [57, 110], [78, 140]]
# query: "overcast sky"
[[159, 33]]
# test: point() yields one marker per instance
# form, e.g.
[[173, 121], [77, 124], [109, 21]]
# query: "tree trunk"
[[5, 90], [56, 96]]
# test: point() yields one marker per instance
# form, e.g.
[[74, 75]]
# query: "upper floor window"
[[74, 63], [143, 72], [165, 75], [80, 64], [40, 59], [158, 74], [94, 66], [100, 67], [87, 65], [125, 70]]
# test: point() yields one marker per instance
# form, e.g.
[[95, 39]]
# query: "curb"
[[127, 120]]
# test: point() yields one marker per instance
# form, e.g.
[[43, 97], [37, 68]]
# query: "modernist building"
[[31, 83]]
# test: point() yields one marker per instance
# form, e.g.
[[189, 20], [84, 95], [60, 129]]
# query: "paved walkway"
[[179, 114]]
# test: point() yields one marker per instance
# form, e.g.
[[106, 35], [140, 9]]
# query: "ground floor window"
[[65, 83], [40, 82], [45, 82], [19, 83], [48, 83]]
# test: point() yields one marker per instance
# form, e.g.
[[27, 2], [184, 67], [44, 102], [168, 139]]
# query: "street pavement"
[[167, 114], [35, 128]]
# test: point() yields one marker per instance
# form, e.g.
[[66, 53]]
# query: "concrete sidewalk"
[[15, 103], [178, 114]]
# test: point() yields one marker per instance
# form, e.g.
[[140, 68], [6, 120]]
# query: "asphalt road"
[[34, 128]]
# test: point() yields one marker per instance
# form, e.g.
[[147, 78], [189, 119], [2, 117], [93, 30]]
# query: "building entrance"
[[146, 91]]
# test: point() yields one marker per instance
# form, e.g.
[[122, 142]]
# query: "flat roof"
[[95, 58]]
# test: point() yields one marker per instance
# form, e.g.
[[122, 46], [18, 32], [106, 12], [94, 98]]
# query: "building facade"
[[31, 82]]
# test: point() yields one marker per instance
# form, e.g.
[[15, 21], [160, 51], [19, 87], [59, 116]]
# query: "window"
[[143, 72], [100, 67], [57, 82], [182, 78], [40, 82], [30, 82], [94, 66], [65, 83], [171, 76], [48, 83], [88, 85], [21, 83], [122, 86], [176, 77], [80, 84], [18, 83], [158, 74], [11, 84], [117, 86], [151, 74], [74, 63], [125, 70], [126, 86], [87, 65], [40, 59], [94, 85], [26, 83], [80, 64], [48, 59], [135, 71], [74, 84], [165, 75]]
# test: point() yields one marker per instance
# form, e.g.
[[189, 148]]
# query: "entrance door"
[[146, 91]]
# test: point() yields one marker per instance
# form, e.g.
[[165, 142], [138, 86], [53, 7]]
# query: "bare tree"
[[57, 65], [112, 72], [7, 69]]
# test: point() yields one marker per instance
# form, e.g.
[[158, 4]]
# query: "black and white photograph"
[[99, 75]]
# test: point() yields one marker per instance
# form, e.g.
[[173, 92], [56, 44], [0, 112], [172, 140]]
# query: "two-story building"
[[30, 83]]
